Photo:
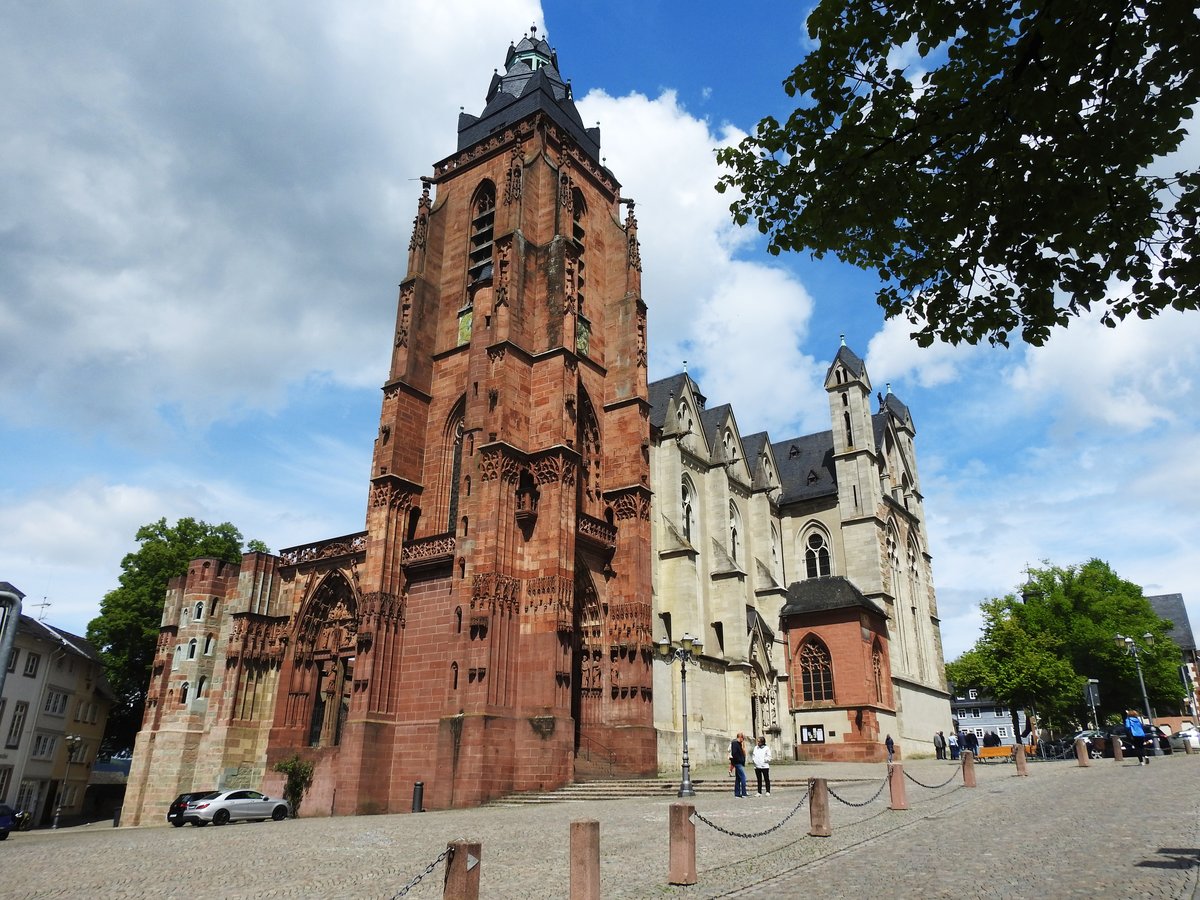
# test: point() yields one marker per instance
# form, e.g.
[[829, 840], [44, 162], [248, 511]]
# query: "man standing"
[[737, 761], [939, 745]]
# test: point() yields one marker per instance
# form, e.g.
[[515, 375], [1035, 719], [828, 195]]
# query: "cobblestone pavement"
[[1108, 830]]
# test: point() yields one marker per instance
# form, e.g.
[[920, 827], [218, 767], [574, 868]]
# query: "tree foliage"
[[126, 631], [1038, 650], [299, 774], [1002, 183]]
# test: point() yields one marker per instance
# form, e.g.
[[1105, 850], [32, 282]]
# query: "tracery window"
[[816, 672], [688, 512], [877, 671], [816, 555], [735, 528], [483, 219]]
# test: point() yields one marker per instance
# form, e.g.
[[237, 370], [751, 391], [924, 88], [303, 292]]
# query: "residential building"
[[976, 712], [1171, 607], [53, 712]]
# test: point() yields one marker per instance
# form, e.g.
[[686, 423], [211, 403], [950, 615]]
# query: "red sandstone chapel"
[[490, 630]]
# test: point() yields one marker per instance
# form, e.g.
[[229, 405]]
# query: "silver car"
[[238, 805]]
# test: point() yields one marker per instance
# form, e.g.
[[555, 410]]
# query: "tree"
[[1039, 648], [299, 774], [126, 631], [1004, 184]]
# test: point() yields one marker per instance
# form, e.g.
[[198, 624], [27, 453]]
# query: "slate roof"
[[72, 642], [754, 617], [711, 421], [1171, 607], [806, 467], [522, 91], [660, 393], [850, 360], [821, 594]]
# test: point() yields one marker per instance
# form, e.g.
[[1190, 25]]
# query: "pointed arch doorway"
[[587, 666]]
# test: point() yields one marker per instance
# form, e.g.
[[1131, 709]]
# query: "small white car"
[[235, 806], [1183, 739]]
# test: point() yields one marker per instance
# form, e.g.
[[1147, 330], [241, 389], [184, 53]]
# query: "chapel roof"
[[821, 594]]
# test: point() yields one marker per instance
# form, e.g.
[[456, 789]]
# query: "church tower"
[[503, 621]]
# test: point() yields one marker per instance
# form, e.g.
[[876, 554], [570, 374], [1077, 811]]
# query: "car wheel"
[[221, 817], [178, 823], [3, 835], [279, 813]]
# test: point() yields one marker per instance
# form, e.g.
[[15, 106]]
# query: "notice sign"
[[812, 734]]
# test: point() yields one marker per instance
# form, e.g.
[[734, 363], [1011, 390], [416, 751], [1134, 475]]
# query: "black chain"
[[428, 870], [932, 787], [834, 795], [741, 834]]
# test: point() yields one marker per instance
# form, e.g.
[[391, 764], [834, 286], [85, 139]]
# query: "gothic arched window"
[[199, 610], [816, 672], [877, 671], [183, 693], [735, 530], [483, 219], [688, 511], [816, 555], [192, 649]]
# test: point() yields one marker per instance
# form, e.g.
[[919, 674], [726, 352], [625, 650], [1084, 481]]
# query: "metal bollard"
[[1022, 762], [1081, 752], [682, 859], [968, 767], [462, 870], [418, 797], [585, 860], [896, 787], [818, 808]]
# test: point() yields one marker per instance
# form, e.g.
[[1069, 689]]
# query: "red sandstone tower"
[[496, 635]]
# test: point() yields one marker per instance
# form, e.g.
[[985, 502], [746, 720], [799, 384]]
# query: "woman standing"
[[762, 765]]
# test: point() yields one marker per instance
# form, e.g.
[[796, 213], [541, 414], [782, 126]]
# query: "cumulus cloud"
[[738, 323]]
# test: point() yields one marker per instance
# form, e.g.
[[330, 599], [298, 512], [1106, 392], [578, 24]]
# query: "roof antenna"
[[45, 603]]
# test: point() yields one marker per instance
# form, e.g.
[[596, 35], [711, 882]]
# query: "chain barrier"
[[875, 797], [932, 787], [428, 870], [755, 834]]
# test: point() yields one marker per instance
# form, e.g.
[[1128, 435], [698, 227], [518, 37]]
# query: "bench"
[[995, 753]]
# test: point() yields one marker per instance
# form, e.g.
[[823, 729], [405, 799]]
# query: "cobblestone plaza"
[[1107, 830]]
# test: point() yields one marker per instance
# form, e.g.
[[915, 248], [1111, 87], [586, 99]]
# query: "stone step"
[[628, 788]]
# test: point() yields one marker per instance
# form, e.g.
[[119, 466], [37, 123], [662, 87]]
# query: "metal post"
[[1146, 702], [10, 622], [685, 785], [418, 796]]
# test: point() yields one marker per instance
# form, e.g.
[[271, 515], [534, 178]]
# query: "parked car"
[[8, 821], [1181, 741], [177, 811], [1164, 742], [239, 805], [1097, 742]]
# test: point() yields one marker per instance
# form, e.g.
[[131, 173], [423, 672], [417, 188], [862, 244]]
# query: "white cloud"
[[738, 323], [894, 354]]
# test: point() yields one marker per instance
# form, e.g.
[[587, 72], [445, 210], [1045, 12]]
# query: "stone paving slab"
[[1107, 830]]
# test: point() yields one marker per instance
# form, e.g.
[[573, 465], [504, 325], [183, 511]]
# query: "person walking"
[[737, 762], [762, 765], [939, 745], [1137, 736], [891, 747]]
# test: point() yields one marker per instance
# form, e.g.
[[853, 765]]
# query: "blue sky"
[[206, 210]]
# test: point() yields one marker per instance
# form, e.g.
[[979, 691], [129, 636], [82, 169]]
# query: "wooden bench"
[[995, 753]]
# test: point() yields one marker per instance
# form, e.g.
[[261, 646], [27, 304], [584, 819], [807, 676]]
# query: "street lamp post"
[[71, 741], [1131, 647], [686, 652]]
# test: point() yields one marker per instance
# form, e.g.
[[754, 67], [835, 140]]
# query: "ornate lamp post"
[[71, 742], [1131, 647], [686, 652]]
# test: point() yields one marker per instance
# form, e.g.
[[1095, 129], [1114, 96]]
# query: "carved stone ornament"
[[516, 167], [421, 222], [391, 496], [356, 543], [406, 298], [554, 468], [635, 249], [632, 504]]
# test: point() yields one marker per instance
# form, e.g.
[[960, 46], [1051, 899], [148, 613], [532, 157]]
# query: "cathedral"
[[493, 627]]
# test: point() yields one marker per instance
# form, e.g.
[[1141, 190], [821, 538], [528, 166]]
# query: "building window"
[[178, 656], [816, 555], [192, 649], [208, 644], [201, 685], [79, 751], [12, 659], [483, 218], [5, 782], [183, 693], [688, 498], [578, 234], [1002, 732], [735, 527], [976, 713], [213, 607], [877, 672], [961, 713], [56, 703], [998, 712], [31, 665], [43, 746], [17, 725], [973, 695], [199, 614], [816, 672]]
